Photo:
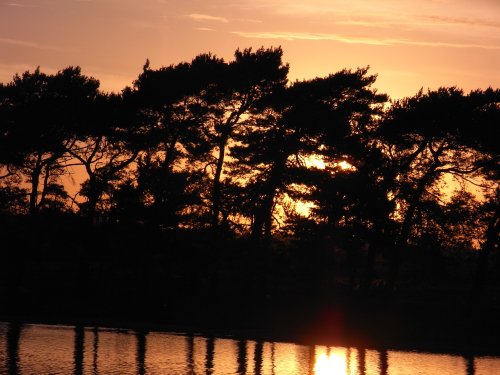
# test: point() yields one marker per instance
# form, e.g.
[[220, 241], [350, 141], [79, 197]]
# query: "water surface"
[[41, 349]]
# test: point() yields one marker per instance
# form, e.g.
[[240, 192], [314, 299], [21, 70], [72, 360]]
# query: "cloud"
[[19, 5], [449, 45], [291, 36], [463, 21], [383, 13], [421, 21], [204, 29], [248, 20], [312, 36], [206, 17], [28, 44]]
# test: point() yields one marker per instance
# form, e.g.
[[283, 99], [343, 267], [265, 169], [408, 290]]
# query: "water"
[[54, 350]]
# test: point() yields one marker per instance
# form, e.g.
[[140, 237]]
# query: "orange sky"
[[409, 44]]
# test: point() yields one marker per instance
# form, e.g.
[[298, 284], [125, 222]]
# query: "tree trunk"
[[170, 154], [35, 181], [95, 190], [45, 185], [216, 193], [262, 226], [226, 130]]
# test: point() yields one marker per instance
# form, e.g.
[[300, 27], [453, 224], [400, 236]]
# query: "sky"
[[409, 44]]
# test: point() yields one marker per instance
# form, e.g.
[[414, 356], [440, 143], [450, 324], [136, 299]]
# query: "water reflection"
[[259, 348], [141, 352], [209, 360], [384, 362], [327, 364], [469, 359], [13, 336], [35, 349], [190, 354], [362, 361], [242, 357], [79, 349]]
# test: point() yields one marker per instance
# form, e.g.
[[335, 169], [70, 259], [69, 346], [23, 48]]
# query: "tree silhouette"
[[246, 82], [166, 195], [104, 148], [167, 129], [40, 114], [319, 119], [427, 137]]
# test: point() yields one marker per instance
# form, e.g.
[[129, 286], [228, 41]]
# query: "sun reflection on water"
[[330, 364]]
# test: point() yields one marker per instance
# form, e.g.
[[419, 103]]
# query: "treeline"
[[234, 149]]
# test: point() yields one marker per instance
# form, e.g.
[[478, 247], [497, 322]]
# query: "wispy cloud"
[[28, 44], [291, 36], [382, 13], [206, 17], [418, 21], [449, 45], [19, 5], [312, 36], [248, 20], [382, 23], [462, 21], [204, 29]]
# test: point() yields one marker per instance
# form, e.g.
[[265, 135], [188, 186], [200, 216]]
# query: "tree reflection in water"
[[469, 359], [384, 362], [242, 357], [13, 336], [95, 351], [141, 353], [79, 349], [209, 364], [190, 355], [258, 357]]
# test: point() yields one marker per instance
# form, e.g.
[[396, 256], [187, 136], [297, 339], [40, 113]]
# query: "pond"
[[33, 349]]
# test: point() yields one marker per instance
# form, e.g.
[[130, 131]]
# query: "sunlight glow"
[[330, 364], [317, 161], [345, 165]]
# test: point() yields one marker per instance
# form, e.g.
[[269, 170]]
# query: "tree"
[[167, 130], [104, 147], [430, 136], [322, 119], [39, 115], [190, 112], [247, 81]]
